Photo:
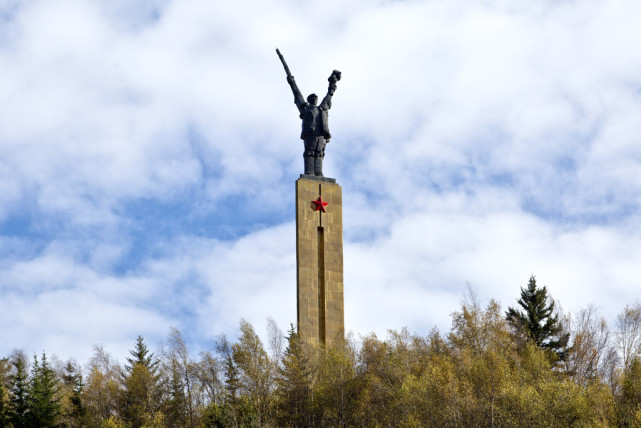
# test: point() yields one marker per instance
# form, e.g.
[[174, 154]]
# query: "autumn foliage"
[[485, 372]]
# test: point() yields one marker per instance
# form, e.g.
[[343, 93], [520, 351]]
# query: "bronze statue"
[[315, 132]]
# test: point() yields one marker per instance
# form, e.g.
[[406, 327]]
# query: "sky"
[[149, 151]]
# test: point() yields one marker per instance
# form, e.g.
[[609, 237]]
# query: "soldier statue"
[[315, 132]]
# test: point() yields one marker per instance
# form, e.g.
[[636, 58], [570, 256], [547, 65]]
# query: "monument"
[[319, 224]]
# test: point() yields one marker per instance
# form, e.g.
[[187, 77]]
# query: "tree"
[[294, 383], [175, 407], [209, 375], [256, 372], [72, 409], [629, 333], [630, 400], [19, 392], [142, 356], [591, 357], [226, 413], [141, 394], [5, 366], [44, 405], [382, 369], [140, 397], [336, 390], [183, 379], [539, 321], [482, 355], [4, 413], [102, 393]]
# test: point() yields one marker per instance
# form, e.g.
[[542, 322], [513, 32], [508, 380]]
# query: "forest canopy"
[[529, 366]]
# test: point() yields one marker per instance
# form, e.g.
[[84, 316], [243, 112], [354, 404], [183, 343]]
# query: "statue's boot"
[[309, 165], [318, 166]]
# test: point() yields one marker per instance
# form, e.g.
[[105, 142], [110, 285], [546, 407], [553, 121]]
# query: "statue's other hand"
[[335, 77]]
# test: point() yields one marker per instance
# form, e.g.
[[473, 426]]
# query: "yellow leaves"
[[113, 422], [478, 330], [434, 397], [478, 376], [155, 420], [335, 386], [492, 386], [101, 394], [139, 386]]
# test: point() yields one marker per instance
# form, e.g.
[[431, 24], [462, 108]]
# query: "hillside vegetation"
[[529, 366]]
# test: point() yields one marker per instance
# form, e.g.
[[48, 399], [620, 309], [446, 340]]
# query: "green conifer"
[[44, 405], [141, 395], [19, 404], [142, 356], [539, 320], [294, 383]]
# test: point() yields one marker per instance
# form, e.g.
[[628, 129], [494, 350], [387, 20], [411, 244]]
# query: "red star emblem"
[[320, 204]]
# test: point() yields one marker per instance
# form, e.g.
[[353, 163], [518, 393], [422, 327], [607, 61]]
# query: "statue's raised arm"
[[298, 96], [327, 101], [315, 130]]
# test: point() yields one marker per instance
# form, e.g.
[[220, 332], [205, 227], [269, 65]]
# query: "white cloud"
[[476, 142]]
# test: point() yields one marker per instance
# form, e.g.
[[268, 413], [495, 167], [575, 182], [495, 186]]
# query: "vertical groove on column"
[[321, 284], [320, 214]]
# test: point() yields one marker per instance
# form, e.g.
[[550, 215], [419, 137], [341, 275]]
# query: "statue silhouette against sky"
[[315, 131]]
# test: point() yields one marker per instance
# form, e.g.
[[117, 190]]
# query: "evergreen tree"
[[183, 381], [19, 392], [4, 394], [175, 405], [294, 383], [140, 399], [232, 379], [539, 320], [142, 356], [44, 405], [226, 414]]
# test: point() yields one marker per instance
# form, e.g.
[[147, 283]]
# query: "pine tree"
[[232, 379], [294, 383], [175, 405], [44, 407], [226, 413], [183, 381], [19, 393], [539, 321], [140, 400], [142, 356]]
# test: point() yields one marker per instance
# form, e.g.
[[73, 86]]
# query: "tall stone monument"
[[319, 225]]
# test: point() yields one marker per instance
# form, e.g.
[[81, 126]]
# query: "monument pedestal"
[[319, 258]]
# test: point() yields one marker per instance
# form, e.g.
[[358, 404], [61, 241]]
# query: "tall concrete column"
[[319, 258]]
